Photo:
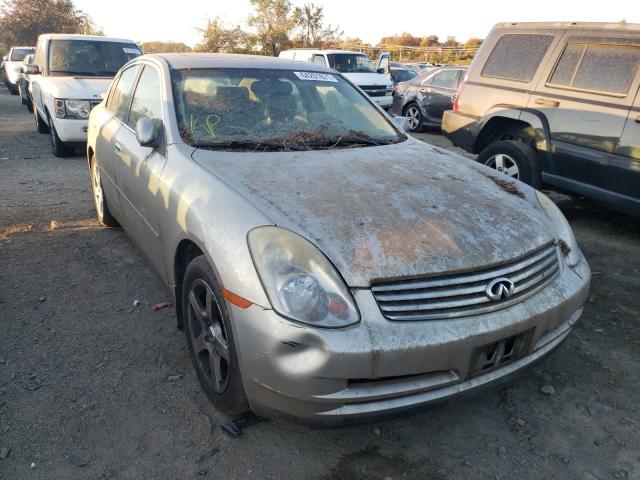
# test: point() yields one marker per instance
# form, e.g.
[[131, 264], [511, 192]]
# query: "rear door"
[[624, 171], [586, 95], [436, 94], [138, 167]]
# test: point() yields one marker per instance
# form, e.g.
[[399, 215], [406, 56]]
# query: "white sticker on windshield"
[[131, 51], [316, 77]]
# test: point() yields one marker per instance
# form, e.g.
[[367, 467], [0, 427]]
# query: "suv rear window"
[[517, 57], [597, 68]]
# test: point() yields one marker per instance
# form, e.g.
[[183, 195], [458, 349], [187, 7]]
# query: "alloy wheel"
[[413, 117], [97, 190], [504, 164], [207, 336]]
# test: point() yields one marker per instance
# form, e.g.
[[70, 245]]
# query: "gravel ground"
[[92, 387]]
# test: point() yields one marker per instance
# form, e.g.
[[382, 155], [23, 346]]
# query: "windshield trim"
[[174, 74]]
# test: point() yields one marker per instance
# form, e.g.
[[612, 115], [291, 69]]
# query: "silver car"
[[324, 265]]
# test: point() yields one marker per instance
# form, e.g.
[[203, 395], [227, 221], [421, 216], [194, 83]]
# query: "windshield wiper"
[[244, 145]]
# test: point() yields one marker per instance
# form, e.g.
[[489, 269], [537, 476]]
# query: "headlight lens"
[[77, 108], [564, 234], [299, 280]]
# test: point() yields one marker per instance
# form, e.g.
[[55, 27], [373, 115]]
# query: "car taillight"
[[456, 105]]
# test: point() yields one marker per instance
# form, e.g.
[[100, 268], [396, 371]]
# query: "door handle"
[[118, 147], [425, 90], [547, 103]]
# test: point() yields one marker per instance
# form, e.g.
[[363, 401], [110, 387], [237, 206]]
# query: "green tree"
[[273, 22], [22, 21], [164, 47], [312, 32], [218, 38]]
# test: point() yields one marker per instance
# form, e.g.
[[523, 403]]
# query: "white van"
[[355, 66], [68, 78]]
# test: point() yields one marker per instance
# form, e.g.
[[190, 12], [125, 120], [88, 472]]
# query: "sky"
[[148, 20]]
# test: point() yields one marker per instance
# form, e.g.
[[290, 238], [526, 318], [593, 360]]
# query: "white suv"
[[69, 76], [375, 81], [12, 65]]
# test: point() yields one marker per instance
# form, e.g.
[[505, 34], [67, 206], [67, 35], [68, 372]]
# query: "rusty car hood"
[[396, 211]]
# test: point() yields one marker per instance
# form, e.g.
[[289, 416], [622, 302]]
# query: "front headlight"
[[77, 108], [299, 280], [564, 234], [72, 108]]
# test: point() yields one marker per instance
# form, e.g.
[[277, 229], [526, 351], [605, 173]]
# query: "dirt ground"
[[92, 387]]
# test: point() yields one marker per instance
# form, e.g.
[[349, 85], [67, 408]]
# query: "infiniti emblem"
[[499, 289]]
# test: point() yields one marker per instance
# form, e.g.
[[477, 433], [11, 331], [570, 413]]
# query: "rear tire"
[[102, 207], [414, 118], [515, 159], [210, 338], [58, 147]]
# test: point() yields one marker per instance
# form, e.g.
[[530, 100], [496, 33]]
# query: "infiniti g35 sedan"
[[324, 265]]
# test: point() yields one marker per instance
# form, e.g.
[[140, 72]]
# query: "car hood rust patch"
[[389, 212]]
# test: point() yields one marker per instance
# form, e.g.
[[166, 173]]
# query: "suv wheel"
[[12, 89], [414, 117], [210, 339], [41, 125], [58, 147], [515, 159]]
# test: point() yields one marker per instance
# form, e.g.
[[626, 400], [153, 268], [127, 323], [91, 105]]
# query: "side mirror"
[[401, 123], [30, 69], [4, 58], [147, 132]]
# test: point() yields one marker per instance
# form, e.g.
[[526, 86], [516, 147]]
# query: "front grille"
[[459, 295], [375, 90]]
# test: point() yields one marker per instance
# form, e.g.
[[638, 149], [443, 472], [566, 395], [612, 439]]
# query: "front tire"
[[210, 338], [58, 147], [513, 158], [41, 125], [102, 207], [414, 117]]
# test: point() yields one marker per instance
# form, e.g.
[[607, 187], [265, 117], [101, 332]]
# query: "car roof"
[[314, 50], [97, 38], [572, 25], [181, 61]]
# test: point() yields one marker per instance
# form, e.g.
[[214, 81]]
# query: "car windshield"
[[350, 63], [18, 54], [89, 57], [263, 109]]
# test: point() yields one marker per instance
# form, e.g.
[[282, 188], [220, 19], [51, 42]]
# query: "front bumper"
[[385, 102], [71, 130], [380, 367]]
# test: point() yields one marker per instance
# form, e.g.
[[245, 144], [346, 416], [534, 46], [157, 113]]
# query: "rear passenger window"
[[597, 68], [445, 79], [118, 102], [517, 57], [319, 60]]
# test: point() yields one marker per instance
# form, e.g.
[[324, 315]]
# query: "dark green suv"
[[556, 104]]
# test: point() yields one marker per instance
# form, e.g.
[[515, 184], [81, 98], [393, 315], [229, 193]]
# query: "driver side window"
[[118, 102], [147, 99]]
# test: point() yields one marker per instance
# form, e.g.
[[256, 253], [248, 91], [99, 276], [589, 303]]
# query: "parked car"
[[420, 66], [69, 76], [556, 104], [356, 66], [13, 66], [400, 73], [23, 83], [323, 264], [424, 99]]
